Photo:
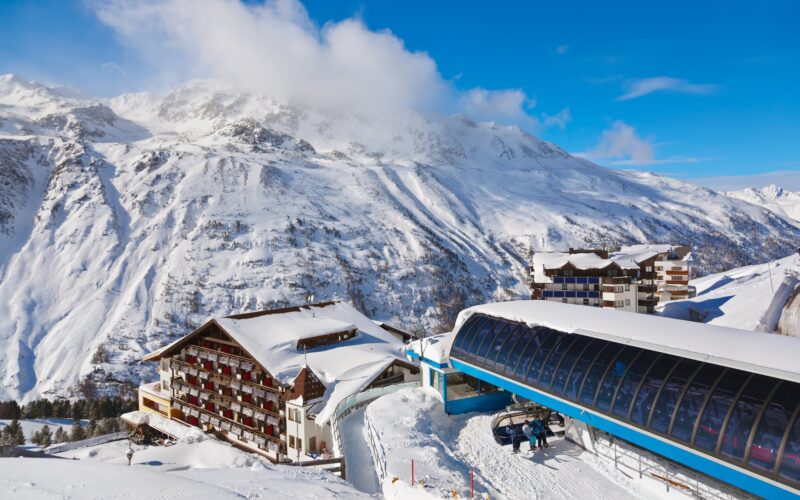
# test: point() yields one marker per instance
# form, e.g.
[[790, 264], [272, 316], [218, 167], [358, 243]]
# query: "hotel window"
[[586, 302], [563, 286], [564, 300], [586, 287], [627, 302], [291, 441], [312, 444], [299, 443], [648, 269]]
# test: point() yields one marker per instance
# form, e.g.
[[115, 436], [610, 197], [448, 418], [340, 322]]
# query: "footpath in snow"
[[361, 471], [411, 424]]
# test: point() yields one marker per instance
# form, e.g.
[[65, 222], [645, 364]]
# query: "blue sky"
[[686, 89]]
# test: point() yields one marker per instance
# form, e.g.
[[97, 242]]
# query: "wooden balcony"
[[178, 384], [218, 371], [233, 423]]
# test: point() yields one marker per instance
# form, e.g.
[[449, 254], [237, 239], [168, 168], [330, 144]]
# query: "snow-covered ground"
[[195, 467], [411, 424], [760, 297]]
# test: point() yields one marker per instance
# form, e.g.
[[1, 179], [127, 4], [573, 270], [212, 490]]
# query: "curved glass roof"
[[747, 419]]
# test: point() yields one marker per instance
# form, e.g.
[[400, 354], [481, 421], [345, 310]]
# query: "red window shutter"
[[245, 375], [208, 365], [226, 349], [270, 430], [267, 382], [210, 406], [247, 398], [227, 413], [209, 386], [248, 421], [268, 405], [226, 370]]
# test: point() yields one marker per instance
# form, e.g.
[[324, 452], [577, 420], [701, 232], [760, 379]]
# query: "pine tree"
[[13, 435], [77, 433], [45, 436], [60, 435], [91, 429], [36, 438]]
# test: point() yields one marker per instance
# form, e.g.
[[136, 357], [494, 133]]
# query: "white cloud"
[[508, 105], [621, 145], [562, 49], [559, 119], [643, 86], [276, 49]]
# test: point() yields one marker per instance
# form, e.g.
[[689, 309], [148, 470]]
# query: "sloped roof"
[[589, 260], [344, 368], [774, 355]]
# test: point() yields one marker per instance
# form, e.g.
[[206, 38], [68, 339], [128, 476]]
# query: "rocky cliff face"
[[125, 224]]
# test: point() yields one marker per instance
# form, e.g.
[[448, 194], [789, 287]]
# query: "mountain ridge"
[[127, 222]]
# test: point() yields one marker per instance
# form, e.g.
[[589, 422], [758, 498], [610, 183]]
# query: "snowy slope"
[[125, 224], [205, 469], [412, 425], [762, 297], [774, 198]]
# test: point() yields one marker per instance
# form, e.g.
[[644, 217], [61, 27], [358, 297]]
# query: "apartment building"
[[633, 279]]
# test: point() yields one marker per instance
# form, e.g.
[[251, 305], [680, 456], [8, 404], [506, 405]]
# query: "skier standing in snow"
[[513, 433], [536, 431], [129, 454], [541, 432], [526, 429]]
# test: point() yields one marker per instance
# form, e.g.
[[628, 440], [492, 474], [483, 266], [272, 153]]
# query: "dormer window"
[[326, 339]]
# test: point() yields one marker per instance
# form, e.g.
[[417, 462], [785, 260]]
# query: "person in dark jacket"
[[514, 434], [541, 432], [537, 429]]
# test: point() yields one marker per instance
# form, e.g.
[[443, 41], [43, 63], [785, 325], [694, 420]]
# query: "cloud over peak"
[[274, 48], [644, 86]]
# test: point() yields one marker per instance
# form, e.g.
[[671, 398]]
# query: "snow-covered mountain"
[[762, 297], [126, 223], [774, 198]]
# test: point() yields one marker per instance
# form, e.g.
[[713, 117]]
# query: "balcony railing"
[[220, 370], [256, 392], [256, 415], [612, 303], [231, 424]]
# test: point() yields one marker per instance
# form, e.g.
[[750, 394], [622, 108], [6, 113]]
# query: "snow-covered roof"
[[286, 327], [588, 260], [436, 347], [345, 367], [772, 355], [646, 251]]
